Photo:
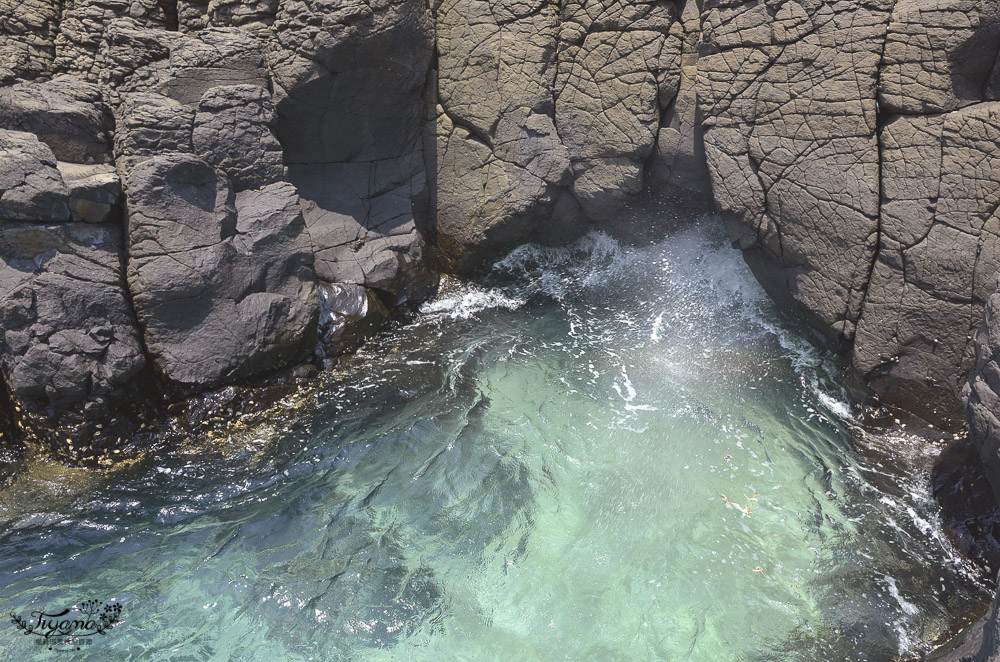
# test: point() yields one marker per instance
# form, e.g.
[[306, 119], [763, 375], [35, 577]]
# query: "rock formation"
[[194, 193], [265, 153]]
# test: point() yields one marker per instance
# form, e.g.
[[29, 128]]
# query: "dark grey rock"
[[223, 283], [349, 315], [232, 131], [151, 124], [129, 57], [982, 392], [619, 69], [348, 83], [70, 348], [82, 28], [31, 187], [217, 56], [65, 113]]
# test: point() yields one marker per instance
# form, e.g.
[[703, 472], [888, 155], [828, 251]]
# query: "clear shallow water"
[[534, 469]]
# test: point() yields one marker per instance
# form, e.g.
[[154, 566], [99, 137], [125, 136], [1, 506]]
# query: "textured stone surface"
[[29, 28], [544, 116], [940, 55], [349, 79], [619, 68], [82, 25], [129, 54], [232, 131], [70, 346], [94, 192], [981, 396], [938, 257], [31, 187], [790, 135], [151, 124], [679, 155], [982, 392], [223, 283], [65, 113]]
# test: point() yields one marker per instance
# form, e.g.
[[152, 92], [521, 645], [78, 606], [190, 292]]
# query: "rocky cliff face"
[[852, 159], [224, 164]]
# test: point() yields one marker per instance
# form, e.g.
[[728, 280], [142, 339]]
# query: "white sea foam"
[[469, 300]]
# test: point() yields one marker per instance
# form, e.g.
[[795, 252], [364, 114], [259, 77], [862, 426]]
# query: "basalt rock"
[[982, 392], [151, 124], [31, 187], [70, 350], [29, 29], [940, 55], [848, 145], [223, 282], [94, 192], [65, 113], [349, 79], [232, 131], [938, 258], [788, 98], [546, 118], [82, 27], [980, 642], [349, 314], [618, 71]]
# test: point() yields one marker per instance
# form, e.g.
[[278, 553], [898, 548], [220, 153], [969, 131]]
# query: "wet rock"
[[70, 348], [982, 393], [349, 315]]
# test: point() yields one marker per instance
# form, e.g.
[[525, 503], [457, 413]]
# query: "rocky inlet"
[[201, 194]]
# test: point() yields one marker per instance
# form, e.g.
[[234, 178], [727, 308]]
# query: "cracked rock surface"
[[788, 96], [222, 282], [70, 345], [255, 150]]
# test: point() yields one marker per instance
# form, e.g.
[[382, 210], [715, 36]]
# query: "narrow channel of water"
[[598, 453]]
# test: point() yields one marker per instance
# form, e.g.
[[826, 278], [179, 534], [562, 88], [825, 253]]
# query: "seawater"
[[598, 452]]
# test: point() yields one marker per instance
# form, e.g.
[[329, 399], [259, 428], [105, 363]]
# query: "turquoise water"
[[598, 453]]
